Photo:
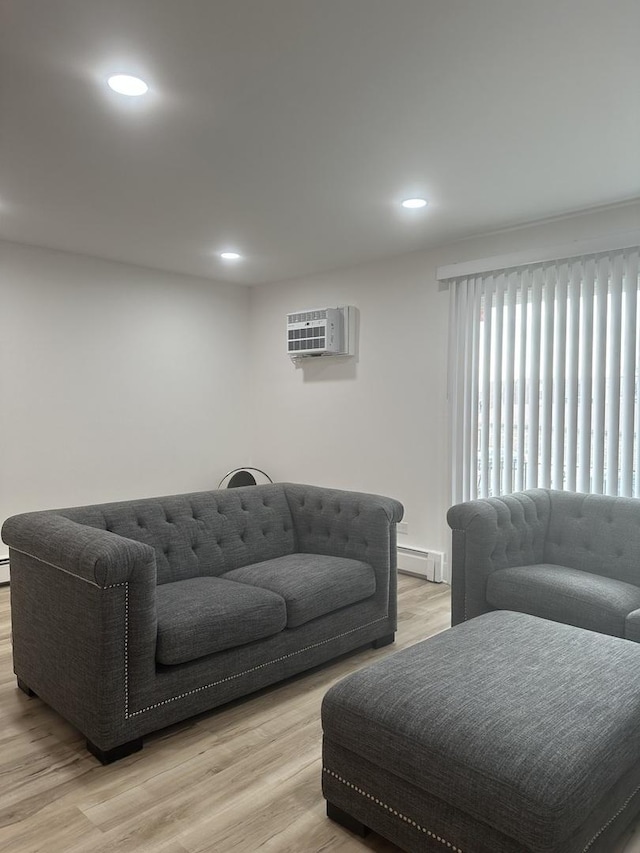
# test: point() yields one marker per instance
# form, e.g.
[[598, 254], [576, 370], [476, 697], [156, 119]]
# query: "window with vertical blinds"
[[544, 382]]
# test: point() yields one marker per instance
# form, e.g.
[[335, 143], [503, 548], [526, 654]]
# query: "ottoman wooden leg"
[[108, 756], [346, 820], [25, 688]]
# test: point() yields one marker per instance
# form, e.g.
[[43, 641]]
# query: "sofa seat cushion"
[[311, 584], [565, 595], [200, 616]]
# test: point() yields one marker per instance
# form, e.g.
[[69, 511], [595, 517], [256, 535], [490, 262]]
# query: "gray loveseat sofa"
[[130, 616], [565, 556]]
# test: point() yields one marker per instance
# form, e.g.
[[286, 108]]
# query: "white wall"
[[116, 381], [379, 422]]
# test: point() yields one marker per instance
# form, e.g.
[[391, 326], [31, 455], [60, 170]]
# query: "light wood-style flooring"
[[236, 780], [240, 779]]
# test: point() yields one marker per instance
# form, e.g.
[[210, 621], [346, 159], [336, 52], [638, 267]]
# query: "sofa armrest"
[[490, 534], [349, 524], [94, 555], [84, 620]]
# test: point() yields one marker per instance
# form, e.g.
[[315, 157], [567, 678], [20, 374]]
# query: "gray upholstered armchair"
[[565, 556]]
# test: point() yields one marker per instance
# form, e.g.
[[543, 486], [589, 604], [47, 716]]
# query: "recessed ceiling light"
[[414, 202], [230, 256], [125, 84]]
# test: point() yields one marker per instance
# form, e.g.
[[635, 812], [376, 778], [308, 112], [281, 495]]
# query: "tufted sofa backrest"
[[595, 533], [353, 524], [202, 533], [521, 524]]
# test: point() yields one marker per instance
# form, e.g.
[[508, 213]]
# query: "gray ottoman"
[[505, 734]]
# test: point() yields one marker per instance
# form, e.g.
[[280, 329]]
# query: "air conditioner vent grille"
[[306, 316], [312, 337]]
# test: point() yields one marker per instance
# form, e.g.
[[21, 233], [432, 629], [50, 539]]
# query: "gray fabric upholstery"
[[507, 733], [632, 626], [420, 822], [354, 525], [412, 818], [490, 534], [344, 524], [96, 556], [203, 533], [564, 595], [596, 534], [200, 616], [310, 584], [84, 599]]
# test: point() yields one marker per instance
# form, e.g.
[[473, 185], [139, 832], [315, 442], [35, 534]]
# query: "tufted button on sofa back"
[[595, 533], [202, 533]]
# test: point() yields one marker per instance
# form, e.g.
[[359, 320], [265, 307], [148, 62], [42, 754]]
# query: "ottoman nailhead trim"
[[620, 810], [393, 811]]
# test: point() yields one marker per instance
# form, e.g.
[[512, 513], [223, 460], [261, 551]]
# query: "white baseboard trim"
[[421, 563]]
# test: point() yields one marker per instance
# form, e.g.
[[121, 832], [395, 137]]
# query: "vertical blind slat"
[[485, 383], [468, 402], [600, 310], [496, 385], [522, 301], [628, 374], [573, 344], [472, 484], [508, 374], [546, 377], [558, 383], [457, 390], [533, 442], [612, 382], [453, 377], [585, 392], [463, 360]]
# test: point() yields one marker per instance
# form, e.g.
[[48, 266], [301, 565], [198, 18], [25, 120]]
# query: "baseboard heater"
[[423, 564], [4, 570]]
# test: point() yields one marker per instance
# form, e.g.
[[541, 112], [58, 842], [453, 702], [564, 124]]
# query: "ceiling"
[[290, 130]]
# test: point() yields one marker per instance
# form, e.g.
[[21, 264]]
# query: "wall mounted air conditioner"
[[320, 331]]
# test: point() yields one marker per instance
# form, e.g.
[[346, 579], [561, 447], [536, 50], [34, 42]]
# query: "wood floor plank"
[[50, 829]]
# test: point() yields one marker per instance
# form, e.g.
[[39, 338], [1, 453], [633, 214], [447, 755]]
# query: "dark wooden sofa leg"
[[346, 820], [108, 756], [25, 688], [384, 641]]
